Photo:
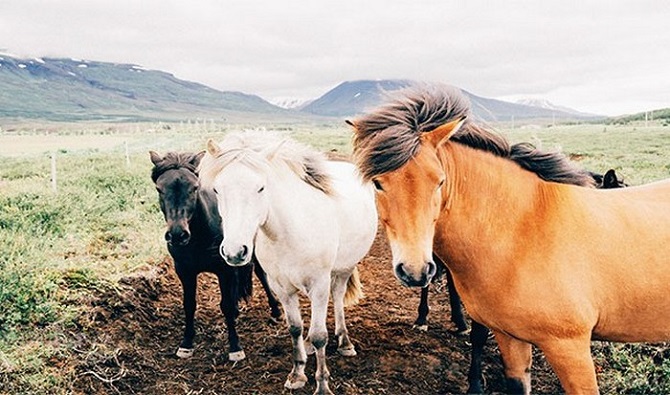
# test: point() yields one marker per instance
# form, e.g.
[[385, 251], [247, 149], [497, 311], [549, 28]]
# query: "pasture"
[[90, 303]]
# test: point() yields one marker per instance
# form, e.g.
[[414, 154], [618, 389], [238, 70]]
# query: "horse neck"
[[491, 206], [292, 203]]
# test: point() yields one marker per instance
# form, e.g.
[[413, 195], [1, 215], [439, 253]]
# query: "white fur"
[[305, 239], [184, 353]]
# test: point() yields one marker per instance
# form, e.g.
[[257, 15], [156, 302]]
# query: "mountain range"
[[71, 89]]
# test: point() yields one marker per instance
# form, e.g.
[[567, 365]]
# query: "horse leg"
[[318, 334], [344, 345], [572, 362], [229, 307], [275, 312], [421, 319], [517, 358], [478, 336], [456, 306], [188, 284], [291, 303]]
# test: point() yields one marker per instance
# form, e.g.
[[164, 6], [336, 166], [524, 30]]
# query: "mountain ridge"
[[81, 89], [350, 98], [75, 89]]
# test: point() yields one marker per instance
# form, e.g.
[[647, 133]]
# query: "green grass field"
[[103, 223]]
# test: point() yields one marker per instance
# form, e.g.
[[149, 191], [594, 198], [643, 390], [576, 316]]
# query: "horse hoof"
[[293, 382], [184, 353], [236, 356], [422, 328], [347, 352]]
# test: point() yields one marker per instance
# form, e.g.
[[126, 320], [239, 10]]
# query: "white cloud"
[[598, 56]]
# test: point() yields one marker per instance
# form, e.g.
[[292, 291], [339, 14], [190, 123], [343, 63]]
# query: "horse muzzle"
[[178, 237], [240, 257], [421, 279]]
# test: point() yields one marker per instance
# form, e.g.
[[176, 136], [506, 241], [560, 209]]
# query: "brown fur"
[[540, 263]]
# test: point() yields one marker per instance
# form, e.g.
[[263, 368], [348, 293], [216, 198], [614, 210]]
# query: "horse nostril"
[[168, 237], [431, 270], [243, 252], [400, 271], [221, 252], [186, 236]]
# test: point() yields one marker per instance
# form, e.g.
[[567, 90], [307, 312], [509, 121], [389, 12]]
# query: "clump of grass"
[[633, 368], [26, 297], [58, 248]]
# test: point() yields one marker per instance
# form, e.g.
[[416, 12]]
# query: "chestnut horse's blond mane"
[[255, 147], [388, 137]]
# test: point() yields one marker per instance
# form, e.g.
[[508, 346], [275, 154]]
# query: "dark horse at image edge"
[[193, 236]]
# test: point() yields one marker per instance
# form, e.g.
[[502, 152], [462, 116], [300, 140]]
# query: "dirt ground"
[[128, 341]]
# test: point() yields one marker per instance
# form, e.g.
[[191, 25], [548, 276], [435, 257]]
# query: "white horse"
[[309, 221]]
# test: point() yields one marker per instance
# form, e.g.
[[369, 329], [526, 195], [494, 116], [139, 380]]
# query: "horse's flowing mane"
[[388, 137], [263, 148], [172, 161]]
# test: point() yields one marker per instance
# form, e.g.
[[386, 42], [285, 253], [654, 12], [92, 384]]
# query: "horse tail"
[[245, 283], [354, 290]]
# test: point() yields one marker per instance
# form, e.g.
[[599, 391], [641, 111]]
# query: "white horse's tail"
[[354, 290]]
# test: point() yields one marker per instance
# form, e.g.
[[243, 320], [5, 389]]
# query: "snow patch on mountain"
[[290, 103]]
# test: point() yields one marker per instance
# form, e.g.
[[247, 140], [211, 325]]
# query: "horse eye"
[[378, 185], [261, 189]]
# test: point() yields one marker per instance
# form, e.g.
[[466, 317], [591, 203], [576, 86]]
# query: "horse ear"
[[155, 157], [442, 133], [213, 148], [195, 159], [271, 152], [610, 179]]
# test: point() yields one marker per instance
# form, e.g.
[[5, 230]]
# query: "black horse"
[[193, 237], [609, 180], [479, 333]]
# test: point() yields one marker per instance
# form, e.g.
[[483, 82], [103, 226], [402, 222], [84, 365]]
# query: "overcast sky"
[[606, 57]]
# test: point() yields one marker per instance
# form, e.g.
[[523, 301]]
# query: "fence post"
[[127, 154], [54, 184]]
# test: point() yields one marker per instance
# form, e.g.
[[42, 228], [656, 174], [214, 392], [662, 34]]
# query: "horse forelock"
[[389, 137], [265, 150], [173, 161]]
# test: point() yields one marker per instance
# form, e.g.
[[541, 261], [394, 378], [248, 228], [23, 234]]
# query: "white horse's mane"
[[268, 148]]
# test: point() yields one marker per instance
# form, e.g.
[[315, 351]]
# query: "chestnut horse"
[[479, 333], [540, 263]]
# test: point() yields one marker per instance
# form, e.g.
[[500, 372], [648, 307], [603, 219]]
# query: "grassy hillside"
[[67, 89], [61, 248], [661, 115]]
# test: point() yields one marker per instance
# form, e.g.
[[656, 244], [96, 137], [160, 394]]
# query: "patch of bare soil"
[[129, 338]]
